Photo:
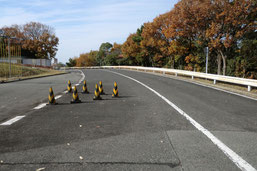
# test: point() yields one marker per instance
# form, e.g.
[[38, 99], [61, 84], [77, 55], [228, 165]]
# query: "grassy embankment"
[[23, 72]]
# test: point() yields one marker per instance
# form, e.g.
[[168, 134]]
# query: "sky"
[[82, 25]]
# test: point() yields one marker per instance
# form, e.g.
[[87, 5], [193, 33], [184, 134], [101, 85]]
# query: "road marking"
[[11, 121], [57, 97], [40, 106], [83, 77], [200, 84], [239, 161]]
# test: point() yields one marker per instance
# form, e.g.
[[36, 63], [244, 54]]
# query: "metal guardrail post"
[[249, 88]]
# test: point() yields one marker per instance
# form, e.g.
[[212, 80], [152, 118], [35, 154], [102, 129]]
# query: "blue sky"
[[82, 25]]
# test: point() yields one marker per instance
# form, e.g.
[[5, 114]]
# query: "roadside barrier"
[[51, 98], [97, 94], [115, 92], [101, 90], [84, 89], [75, 96], [249, 83], [69, 88]]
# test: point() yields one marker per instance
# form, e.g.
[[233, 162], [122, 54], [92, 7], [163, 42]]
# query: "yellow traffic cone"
[[69, 87], [97, 94], [51, 97], [115, 92], [84, 89], [75, 96], [101, 90]]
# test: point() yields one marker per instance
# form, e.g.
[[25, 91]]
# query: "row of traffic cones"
[[75, 97]]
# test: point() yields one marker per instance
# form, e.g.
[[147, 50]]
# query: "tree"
[[38, 40], [131, 50], [232, 20], [154, 44], [104, 50], [72, 62], [87, 59]]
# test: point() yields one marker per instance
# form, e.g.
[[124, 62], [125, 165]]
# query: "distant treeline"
[[177, 39]]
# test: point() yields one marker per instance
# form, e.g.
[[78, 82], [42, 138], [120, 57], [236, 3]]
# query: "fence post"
[[9, 57]]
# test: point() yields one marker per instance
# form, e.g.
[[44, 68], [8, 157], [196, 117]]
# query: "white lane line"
[[83, 77], [65, 92], [239, 161], [11, 121], [200, 84], [57, 97], [76, 84], [40, 106]]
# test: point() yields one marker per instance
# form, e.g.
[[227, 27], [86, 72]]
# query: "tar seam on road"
[[238, 161], [11, 121], [215, 88]]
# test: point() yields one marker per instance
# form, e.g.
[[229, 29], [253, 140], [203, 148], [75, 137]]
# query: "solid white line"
[[40, 106], [57, 97], [239, 161], [11, 121], [83, 77], [200, 84]]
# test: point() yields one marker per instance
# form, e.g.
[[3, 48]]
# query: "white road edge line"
[[239, 161], [11, 121], [40, 106], [200, 84]]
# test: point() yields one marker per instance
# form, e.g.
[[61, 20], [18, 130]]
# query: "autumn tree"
[[38, 40], [87, 59], [131, 50], [154, 44], [232, 20]]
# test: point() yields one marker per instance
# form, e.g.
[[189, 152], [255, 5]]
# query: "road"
[[137, 131]]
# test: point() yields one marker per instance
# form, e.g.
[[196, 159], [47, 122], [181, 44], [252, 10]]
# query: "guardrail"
[[227, 79]]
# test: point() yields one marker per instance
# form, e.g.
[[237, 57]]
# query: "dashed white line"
[[11, 121], [238, 161], [57, 97], [40, 106]]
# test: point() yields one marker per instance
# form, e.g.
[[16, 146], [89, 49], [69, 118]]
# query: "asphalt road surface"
[[146, 128]]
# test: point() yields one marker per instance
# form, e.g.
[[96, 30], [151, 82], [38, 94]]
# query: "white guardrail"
[[227, 79]]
